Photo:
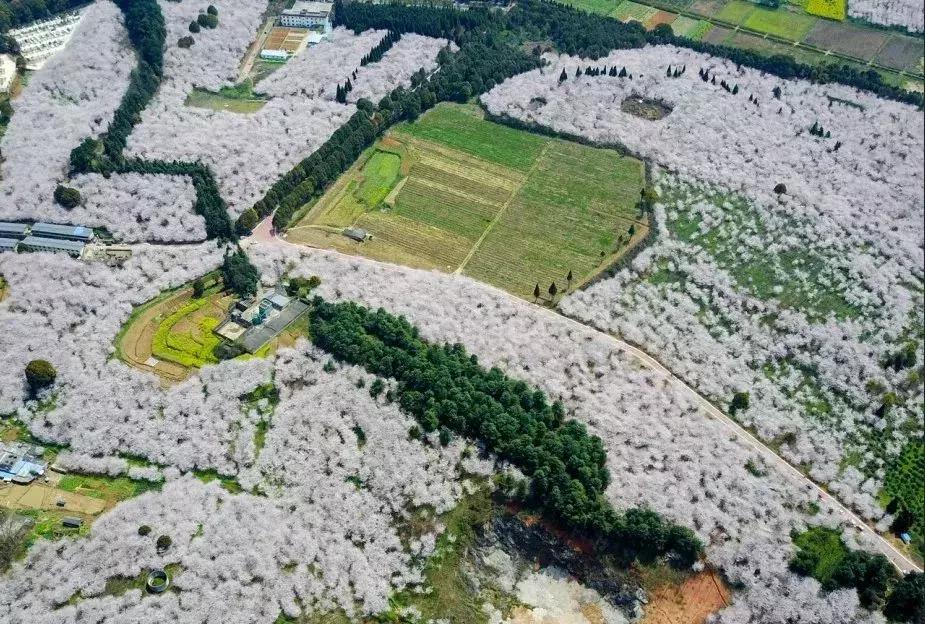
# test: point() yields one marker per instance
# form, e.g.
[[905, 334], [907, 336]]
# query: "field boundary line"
[[501, 212]]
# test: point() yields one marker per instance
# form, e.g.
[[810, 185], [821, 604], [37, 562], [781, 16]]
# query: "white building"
[[307, 15], [7, 72], [274, 55], [41, 40]]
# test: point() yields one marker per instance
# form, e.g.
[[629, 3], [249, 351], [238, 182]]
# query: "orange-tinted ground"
[[288, 39], [690, 603]]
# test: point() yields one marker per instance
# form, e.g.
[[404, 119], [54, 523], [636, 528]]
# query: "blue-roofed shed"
[[8, 244], [69, 232], [9, 229], [55, 245]]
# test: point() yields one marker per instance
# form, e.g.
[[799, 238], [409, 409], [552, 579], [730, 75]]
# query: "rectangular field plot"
[[861, 43], [902, 52], [792, 26], [574, 210], [602, 7], [454, 192], [288, 39], [735, 12], [463, 129], [631, 11], [830, 9]]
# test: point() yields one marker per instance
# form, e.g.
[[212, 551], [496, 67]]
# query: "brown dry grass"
[[689, 603]]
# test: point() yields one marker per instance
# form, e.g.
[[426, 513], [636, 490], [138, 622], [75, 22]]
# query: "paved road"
[[263, 234]]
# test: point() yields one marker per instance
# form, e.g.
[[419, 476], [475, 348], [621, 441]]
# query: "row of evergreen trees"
[[447, 390], [375, 55], [147, 32], [578, 33]]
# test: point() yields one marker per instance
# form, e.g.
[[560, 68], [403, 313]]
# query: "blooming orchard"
[[795, 293], [72, 97], [909, 14], [139, 208]]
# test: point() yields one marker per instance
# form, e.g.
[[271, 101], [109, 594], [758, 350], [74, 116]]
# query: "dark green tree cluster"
[[376, 54], [432, 21], [145, 24], [876, 580], [15, 13], [239, 275], [907, 600], [819, 131], [67, 197], [446, 389], [342, 91], [40, 374], [208, 19]]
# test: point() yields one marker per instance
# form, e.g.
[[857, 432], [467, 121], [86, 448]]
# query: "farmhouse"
[[113, 255], [54, 245], [7, 72], [41, 40], [307, 15], [254, 322], [20, 462], [355, 233]]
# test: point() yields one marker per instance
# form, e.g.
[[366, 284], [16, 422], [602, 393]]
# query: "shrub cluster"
[[446, 389]]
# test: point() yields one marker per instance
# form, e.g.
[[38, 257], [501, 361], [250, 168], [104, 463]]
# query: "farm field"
[[289, 39], [237, 99], [457, 193], [817, 23], [172, 334]]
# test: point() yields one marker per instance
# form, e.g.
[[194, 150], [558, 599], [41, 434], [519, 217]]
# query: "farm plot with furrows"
[[509, 207], [444, 209], [425, 246], [462, 128], [575, 209]]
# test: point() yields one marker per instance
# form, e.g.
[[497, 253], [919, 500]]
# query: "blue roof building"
[[9, 229], [8, 244], [68, 232], [54, 245]]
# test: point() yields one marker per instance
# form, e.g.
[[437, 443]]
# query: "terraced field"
[[457, 193]]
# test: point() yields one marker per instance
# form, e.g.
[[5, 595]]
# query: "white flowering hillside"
[[910, 14], [786, 262], [72, 97]]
